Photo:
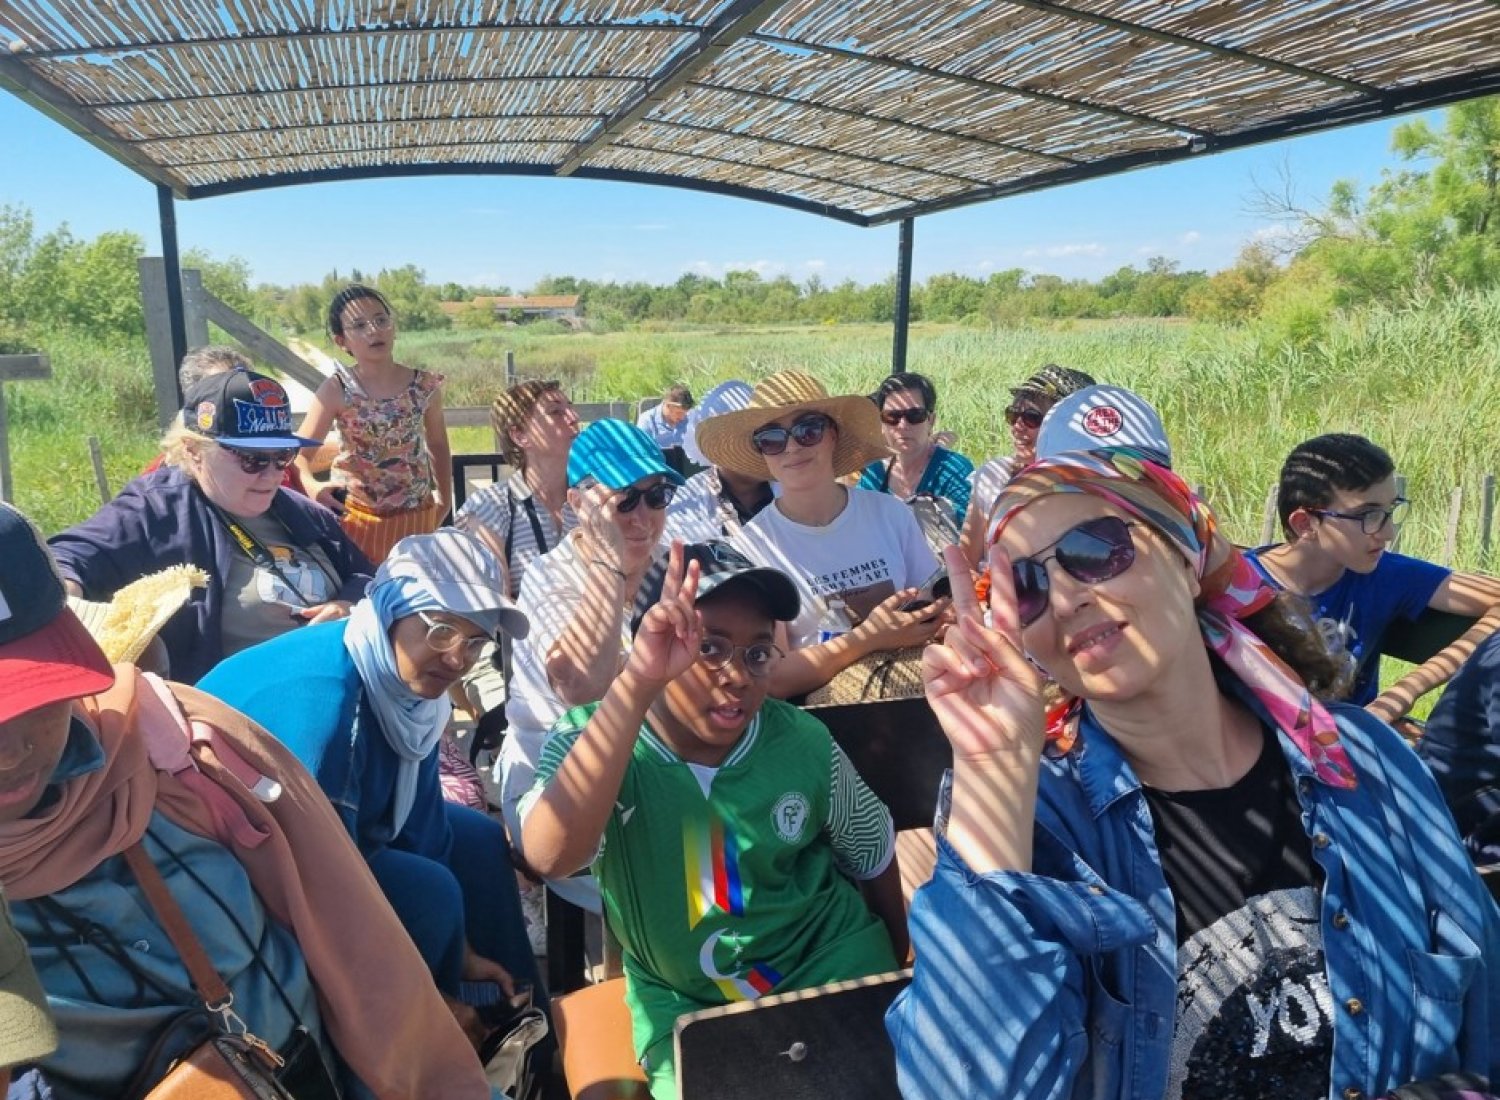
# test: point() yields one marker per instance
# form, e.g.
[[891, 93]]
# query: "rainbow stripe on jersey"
[[711, 858]]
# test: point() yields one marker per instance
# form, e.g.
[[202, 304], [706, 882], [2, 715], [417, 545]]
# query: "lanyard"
[[257, 553]]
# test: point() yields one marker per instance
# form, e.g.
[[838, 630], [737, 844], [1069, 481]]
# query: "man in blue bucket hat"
[[580, 597]]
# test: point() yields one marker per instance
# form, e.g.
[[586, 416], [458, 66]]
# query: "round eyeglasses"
[[716, 653], [447, 638]]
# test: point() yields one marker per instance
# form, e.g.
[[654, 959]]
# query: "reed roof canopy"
[[868, 111]]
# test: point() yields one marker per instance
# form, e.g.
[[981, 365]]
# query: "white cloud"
[[1062, 251], [713, 270], [1192, 236], [985, 265], [814, 265]]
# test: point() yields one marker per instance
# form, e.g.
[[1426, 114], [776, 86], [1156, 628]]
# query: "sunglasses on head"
[[656, 496], [1095, 551], [253, 462], [1032, 418], [892, 417], [807, 431]]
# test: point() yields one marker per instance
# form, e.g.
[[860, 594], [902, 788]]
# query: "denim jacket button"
[[1095, 889], [1320, 840], [1354, 1005], [1352, 1093], [1341, 920]]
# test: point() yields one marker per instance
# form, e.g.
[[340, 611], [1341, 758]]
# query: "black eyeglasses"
[[1372, 521], [656, 496], [1093, 552], [807, 431], [893, 417], [1032, 418], [716, 653], [253, 462]]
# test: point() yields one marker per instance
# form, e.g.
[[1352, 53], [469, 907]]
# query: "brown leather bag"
[[232, 1066]]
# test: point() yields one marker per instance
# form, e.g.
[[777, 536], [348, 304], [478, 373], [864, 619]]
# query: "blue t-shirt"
[[1355, 611], [946, 477]]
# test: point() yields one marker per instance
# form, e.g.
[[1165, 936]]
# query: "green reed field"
[[1424, 382]]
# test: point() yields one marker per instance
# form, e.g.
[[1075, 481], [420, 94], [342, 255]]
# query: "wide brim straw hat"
[[725, 439], [125, 626]]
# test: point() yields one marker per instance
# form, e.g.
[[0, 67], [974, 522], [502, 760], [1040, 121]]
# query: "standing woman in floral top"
[[393, 474]]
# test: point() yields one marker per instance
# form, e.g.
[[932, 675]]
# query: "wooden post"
[[15, 368], [1486, 518], [195, 319], [1450, 544], [510, 368], [903, 297], [96, 458], [1268, 518], [159, 339], [1400, 492]]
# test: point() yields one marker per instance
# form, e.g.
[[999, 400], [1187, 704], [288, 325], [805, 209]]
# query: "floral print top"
[[384, 461]]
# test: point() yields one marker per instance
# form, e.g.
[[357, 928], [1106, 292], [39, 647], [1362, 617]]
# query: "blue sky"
[[512, 231]]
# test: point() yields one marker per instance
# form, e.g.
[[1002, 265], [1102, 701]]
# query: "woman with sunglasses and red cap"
[[856, 556], [275, 560], [1189, 878], [918, 466], [1029, 404]]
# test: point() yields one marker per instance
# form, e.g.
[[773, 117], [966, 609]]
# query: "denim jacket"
[[1062, 982]]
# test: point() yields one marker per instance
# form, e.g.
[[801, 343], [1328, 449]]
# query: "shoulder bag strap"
[[536, 525], [206, 980]]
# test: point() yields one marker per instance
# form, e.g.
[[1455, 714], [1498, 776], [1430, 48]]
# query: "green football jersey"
[[724, 884]]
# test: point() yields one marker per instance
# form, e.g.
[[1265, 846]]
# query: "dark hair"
[[1317, 469], [679, 394], [1287, 624], [511, 409], [355, 292], [1052, 383], [907, 380]]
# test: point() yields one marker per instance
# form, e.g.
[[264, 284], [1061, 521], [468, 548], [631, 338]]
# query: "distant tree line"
[[1430, 224]]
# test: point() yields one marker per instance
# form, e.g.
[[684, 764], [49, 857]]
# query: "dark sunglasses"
[[656, 496], [772, 439], [1030, 417], [1093, 552], [253, 462], [911, 416]]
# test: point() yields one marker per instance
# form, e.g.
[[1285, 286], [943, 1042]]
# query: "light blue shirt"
[[654, 424], [1063, 982]]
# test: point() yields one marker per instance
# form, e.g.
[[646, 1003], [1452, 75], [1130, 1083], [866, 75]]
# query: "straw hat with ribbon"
[[725, 439], [125, 625]]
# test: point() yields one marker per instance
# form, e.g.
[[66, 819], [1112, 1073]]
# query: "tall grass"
[[1423, 381]]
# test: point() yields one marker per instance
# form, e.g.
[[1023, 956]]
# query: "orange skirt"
[[376, 534]]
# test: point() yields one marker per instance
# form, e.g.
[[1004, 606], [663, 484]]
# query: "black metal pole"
[[903, 298], [176, 315]]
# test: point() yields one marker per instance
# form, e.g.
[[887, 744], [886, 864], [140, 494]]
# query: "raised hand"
[[596, 517], [667, 641], [987, 696]]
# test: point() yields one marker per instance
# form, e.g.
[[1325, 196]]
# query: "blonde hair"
[[511, 409], [181, 443]]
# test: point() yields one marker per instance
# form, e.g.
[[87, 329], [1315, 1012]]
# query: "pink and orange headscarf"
[[1232, 589]]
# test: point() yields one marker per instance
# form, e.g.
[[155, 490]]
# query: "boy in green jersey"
[[726, 830]]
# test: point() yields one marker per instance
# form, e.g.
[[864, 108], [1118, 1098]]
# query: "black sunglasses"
[[656, 496], [253, 462], [1093, 552], [911, 416], [1032, 418], [772, 439]]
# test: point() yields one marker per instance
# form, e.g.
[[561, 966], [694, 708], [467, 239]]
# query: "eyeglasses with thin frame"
[[656, 496], [716, 653], [1092, 552], [892, 417], [1032, 418], [254, 462], [381, 322], [446, 638], [1371, 521], [808, 431]]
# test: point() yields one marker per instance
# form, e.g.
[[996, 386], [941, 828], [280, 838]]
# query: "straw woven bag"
[[893, 674]]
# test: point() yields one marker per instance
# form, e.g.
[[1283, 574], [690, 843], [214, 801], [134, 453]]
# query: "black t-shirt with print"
[[1254, 1015]]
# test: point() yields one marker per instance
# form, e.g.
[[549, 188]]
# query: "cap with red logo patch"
[[240, 408], [1101, 417]]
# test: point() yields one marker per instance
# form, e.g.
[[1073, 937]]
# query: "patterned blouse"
[[384, 460]]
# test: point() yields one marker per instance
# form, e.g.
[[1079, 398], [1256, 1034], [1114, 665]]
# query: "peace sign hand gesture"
[[667, 641], [987, 696]]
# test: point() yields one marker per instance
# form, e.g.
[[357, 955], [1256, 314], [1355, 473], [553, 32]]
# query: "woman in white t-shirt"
[[1028, 406], [857, 556]]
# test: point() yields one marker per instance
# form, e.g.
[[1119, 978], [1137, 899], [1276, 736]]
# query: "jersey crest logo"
[[789, 817]]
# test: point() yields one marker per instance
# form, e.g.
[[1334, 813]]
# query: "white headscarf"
[[725, 397]]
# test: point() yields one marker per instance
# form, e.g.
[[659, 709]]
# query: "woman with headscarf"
[[363, 704], [1191, 878], [102, 768], [716, 502]]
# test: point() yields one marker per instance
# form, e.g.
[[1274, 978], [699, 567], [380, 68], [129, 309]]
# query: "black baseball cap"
[[240, 408], [720, 564]]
